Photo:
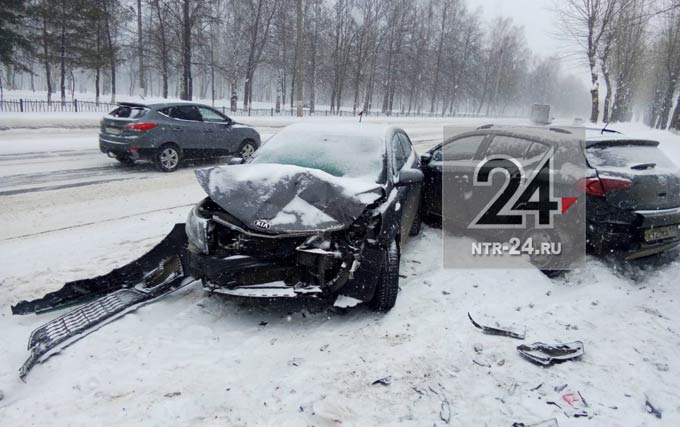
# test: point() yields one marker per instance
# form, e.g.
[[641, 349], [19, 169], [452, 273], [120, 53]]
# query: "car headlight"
[[197, 231]]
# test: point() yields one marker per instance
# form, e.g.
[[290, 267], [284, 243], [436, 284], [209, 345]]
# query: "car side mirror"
[[426, 158], [235, 161], [409, 176]]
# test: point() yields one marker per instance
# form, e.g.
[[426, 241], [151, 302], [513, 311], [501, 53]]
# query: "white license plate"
[[113, 131], [661, 233]]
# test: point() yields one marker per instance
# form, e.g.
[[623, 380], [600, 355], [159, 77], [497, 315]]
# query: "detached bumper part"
[[548, 354], [156, 274]]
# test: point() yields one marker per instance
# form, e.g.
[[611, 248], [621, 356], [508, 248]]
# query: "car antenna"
[[604, 128]]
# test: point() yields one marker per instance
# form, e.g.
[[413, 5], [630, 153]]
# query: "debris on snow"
[[173, 394], [482, 364], [511, 331], [445, 411], [548, 354], [545, 423], [651, 409], [343, 301], [383, 381]]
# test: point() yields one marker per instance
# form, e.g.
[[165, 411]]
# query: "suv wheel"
[[168, 157], [388, 280]]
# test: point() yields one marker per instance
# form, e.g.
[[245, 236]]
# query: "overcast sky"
[[539, 21]]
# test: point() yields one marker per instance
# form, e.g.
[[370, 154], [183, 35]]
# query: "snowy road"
[[69, 212]]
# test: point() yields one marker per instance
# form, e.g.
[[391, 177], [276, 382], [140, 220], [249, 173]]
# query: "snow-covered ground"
[[69, 212]]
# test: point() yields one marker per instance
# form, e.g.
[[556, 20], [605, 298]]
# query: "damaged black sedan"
[[317, 211]]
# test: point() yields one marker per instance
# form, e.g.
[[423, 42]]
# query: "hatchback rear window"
[[125, 112], [627, 156]]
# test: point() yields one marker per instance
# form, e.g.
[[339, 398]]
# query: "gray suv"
[[169, 132]]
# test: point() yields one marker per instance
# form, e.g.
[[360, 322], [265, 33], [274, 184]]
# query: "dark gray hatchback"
[[167, 133]]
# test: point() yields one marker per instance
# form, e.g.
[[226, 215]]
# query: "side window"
[[398, 151], [186, 112], [536, 151], [508, 145], [463, 148], [405, 145], [210, 115]]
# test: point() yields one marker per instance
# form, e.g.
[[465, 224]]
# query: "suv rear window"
[[125, 112], [627, 156]]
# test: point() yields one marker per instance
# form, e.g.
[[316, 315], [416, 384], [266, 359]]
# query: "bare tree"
[[587, 22]]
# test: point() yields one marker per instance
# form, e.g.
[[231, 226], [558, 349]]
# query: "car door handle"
[[178, 128], [210, 130]]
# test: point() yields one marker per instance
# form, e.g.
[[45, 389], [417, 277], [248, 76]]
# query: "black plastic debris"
[[651, 409], [545, 423], [383, 381], [497, 329], [547, 354]]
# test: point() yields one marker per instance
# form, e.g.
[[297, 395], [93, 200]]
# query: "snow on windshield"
[[349, 154]]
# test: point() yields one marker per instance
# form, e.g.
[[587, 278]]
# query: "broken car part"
[[548, 354], [156, 274], [505, 330]]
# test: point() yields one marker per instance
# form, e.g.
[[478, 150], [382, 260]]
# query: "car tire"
[[417, 225], [387, 288], [247, 149], [168, 157], [126, 160], [553, 274]]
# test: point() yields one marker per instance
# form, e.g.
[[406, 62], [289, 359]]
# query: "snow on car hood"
[[273, 198]]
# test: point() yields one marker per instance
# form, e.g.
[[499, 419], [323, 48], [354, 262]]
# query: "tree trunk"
[[62, 57], [187, 83], [675, 120], [440, 46], [234, 97], [594, 91], [140, 50], [299, 66], [667, 103], [48, 72]]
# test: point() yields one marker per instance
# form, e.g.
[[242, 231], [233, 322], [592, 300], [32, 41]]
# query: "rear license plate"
[[661, 233], [114, 131]]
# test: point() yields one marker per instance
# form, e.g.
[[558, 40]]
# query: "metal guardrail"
[[75, 106]]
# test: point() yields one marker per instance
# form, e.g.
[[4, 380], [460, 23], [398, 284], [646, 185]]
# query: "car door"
[[188, 128], [449, 177], [513, 147], [398, 162], [221, 139], [412, 197]]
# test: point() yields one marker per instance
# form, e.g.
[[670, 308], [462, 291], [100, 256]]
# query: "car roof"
[[159, 105], [593, 135], [367, 130]]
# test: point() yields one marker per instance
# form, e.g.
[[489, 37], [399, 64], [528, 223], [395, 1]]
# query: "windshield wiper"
[[643, 166]]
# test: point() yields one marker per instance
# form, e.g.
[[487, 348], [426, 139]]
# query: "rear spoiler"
[[132, 104], [621, 142]]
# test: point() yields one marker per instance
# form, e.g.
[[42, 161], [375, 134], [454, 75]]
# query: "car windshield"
[[346, 155]]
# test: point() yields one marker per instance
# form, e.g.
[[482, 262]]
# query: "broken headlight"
[[197, 229]]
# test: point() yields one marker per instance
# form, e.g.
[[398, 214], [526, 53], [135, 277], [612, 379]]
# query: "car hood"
[[275, 199]]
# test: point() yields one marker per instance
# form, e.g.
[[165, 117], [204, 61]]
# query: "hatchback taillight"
[[599, 187], [141, 127]]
